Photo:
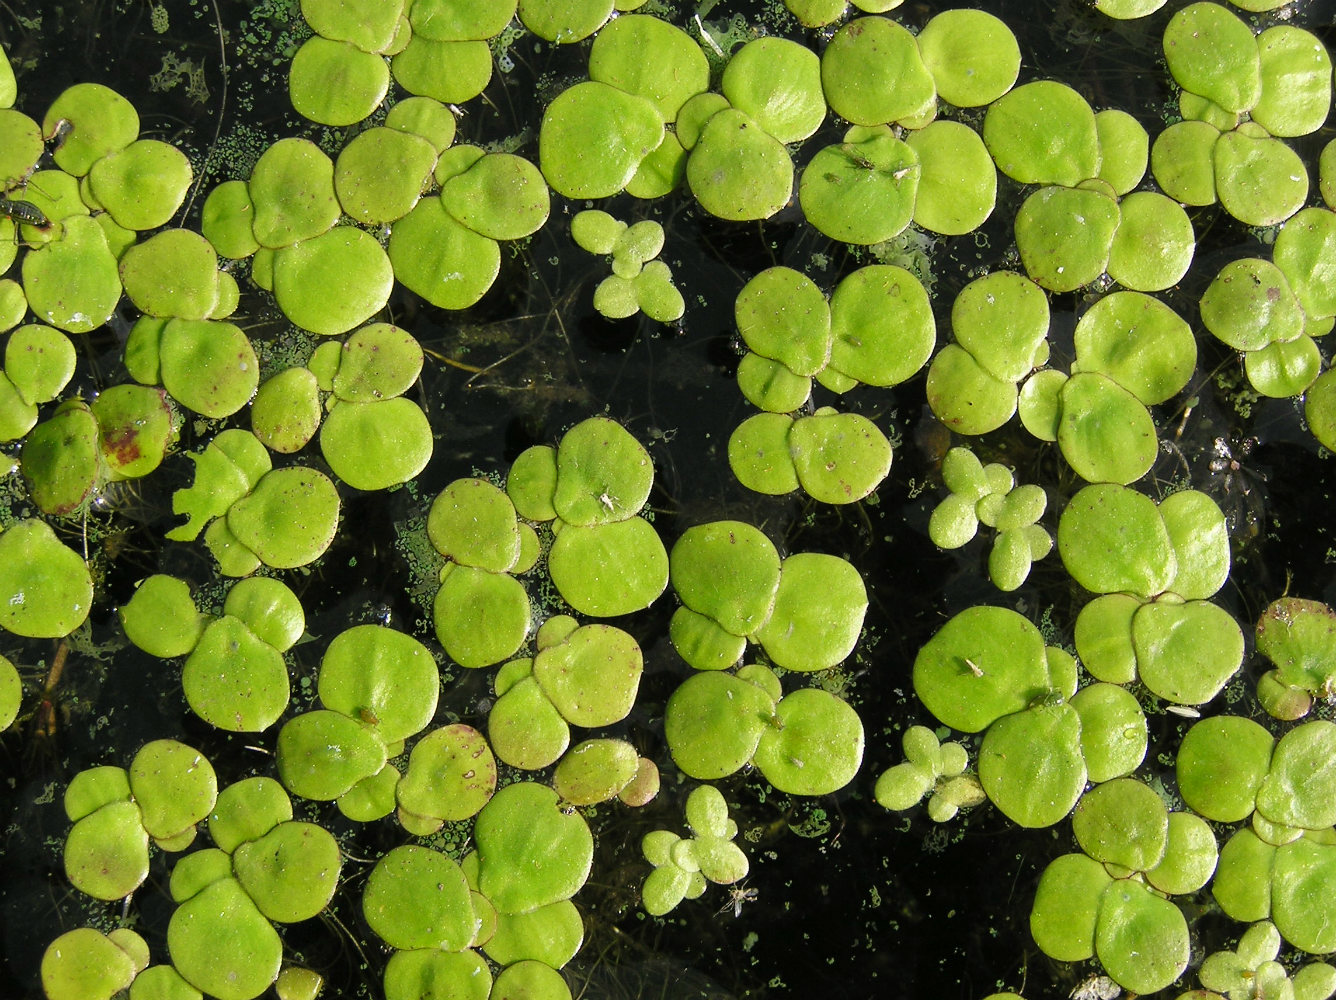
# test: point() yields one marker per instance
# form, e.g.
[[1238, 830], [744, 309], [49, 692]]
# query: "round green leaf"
[[565, 21], [1030, 764], [1141, 938], [333, 282], [440, 259], [1199, 534], [1221, 765], [1249, 304], [369, 24], [1153, 245], [770, 386], [226, 220], [1182, 161], [1065, 236], [246, 810], [777, 82], [1304, 252], [591, 677], [376, 362], [1113, 539], [1008, 669], [815, 745], [208, 366], [286, 412], [957, 186], [1122, 822], [382, 677], [46, 590], [234, 680], [1124, 149], [450, 72], [603, 473], [222, 945], [530, 980], [451, 774], [839, 457], [322, 754], [1138, 342], [481, 617], [737, 170], [1106, 434], [593, 138], [872, 73], [1299, 637], [965, 396], [292, 189], [1113, 730], [1300, 786], [1212, 52], [818, 612], [373, 446], [72, 283], [727, 570], [335, 82], [473, 523], [106, 852], [379, 175], [1296, 81], [1189, 860], [85, 964], [1260, 181], [525, 729], [713, 723], [1001, 319], [39, 362], [291, 872], [881, 325], [11, 693], [611, 569], [862, 190], [501, 196], [1319, 408], [142, 185], [1043, 133], [652, 59], [172, 273], [973, 56], [1303, 885], [595, 771], [174, 786], [419, 898], [530, 851], [289, 518], [104, 122], [758, 453], [1066, 907], [61, 460]]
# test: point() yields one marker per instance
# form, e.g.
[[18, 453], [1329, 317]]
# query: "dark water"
[[851, 901]]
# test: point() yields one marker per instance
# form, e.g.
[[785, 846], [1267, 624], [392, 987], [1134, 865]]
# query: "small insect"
[[1186, 711], [59, 133], [902, 173], [975, 669], [25, 212], [1096, 988], [606, 500], [737, 896], [1048, 699]]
